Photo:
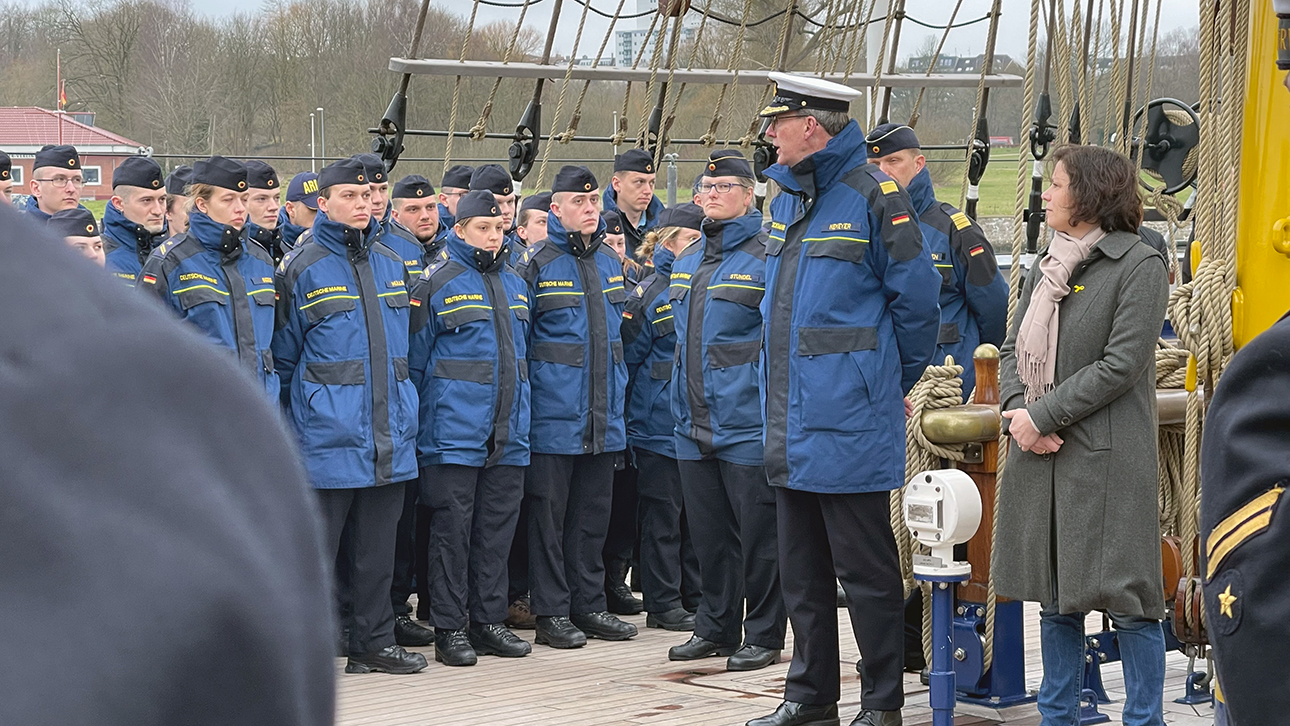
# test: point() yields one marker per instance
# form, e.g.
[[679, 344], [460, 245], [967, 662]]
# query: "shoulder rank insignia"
[[1225, 596], [1238, 527], [888, 187], [960, 220]]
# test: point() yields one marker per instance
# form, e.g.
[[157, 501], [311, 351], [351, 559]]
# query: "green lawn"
[[96, 206]]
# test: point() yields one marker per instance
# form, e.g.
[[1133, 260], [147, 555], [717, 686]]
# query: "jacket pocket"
[[457, 317], [617, 296], [265, 298], [839, 248], [827, 341], [477, 371], [947, 275], [336, 373], [616, 347], [726, 355], [321, 308], [661, 370], [397, 299], [742, 294], [678, 292], [949, 334], [664, 327], [197, 296], [521, 313], [400, 369], [569, 354], [556, 300]]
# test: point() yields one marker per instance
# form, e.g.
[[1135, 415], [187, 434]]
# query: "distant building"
[[958, 64], [24, 129], [587, 61], [628, 43]]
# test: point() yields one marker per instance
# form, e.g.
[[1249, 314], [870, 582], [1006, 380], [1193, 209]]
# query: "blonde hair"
[[197, 191], [653, 240]]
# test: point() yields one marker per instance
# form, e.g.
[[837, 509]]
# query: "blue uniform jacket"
[[469, 361], [342, 349], [290, 232], [649, 345], [576, 350], [974, 296], [210, 277], [268, 239], [634, 236], [851, 322], [716, 291], [126, 245], [446, 219], [406, 246]]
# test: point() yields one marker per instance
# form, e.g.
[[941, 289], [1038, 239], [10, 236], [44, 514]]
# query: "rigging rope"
[[913, 115], [567, 135], [456, 87], [981, 97], [564, 90], [480, 128]]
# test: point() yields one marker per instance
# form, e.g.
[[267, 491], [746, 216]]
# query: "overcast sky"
[[962, 41]]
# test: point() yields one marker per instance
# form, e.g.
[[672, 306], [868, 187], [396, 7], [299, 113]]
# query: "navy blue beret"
[[138, 171], [413, 186], [493, 178], [728, 162], [375, 167], [477, 203], [458, 176], [574, 179], [62, 157], [74, 222], [178, 181], [221, 172], [540, 202], [635, 160], [688, 215], [890, 138], [260, 175], [345, 171], [613, 222]]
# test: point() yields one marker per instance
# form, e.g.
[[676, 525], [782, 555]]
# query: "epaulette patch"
[[960, 220], [888, 187]]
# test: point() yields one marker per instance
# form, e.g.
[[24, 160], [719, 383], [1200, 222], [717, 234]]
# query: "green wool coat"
[[1081, 526]]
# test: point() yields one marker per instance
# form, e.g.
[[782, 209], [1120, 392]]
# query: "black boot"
[[409, 634], [799, 714], [696, 648], [452, 647], [617, 594], [495, 639], [869, 717], [678, 619], [752, 658], [559, 632], [393, 659], [604, 626]]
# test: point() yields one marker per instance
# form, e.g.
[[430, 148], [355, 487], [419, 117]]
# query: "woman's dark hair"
[[1104, 187]]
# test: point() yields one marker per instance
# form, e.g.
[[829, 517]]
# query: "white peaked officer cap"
[[803, 93]]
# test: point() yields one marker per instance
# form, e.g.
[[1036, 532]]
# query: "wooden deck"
[[634, 683]]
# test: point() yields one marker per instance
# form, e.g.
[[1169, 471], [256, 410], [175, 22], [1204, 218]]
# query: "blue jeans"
[[1142, 655]]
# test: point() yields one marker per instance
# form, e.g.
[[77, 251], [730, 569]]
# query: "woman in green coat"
[[1078, 523]]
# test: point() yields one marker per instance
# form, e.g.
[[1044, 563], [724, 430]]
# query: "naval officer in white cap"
[[851, 320]]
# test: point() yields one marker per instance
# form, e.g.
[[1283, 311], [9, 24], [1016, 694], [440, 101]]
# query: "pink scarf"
[[1037, 337]]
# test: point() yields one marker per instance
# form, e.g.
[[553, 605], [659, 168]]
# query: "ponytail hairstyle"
[[654, 239]]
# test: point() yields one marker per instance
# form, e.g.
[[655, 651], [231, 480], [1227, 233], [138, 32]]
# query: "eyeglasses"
[[62, 181], [722, 187], [457, 194], [774, 120]]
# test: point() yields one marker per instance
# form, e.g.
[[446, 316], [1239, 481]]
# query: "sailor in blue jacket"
[[380, 180], [974, 296], [56, 181], [716, 289], [177, 200], [341, 345], [578, 382], [414, 218], [262, 209], [210, 277], [669, 580], [851, 324], [297, 215], [496, 179], [631, 194], [134, 221], [468, 359]]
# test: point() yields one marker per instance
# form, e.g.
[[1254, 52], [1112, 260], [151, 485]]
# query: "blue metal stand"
[[941, 679], [1088, 713], [1004, 684]]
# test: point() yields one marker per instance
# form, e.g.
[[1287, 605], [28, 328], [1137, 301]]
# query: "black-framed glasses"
[[774, 120], [720, 187]]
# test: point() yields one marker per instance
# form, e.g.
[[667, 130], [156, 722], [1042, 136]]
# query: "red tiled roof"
[[32, 126]]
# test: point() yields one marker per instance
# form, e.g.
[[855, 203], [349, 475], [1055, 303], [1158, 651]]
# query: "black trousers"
[[472, 521], [733, 508], [847, 537], [569, 502], [620, 540], [668, 578], [367, 519], [517, 565], [409, 549]]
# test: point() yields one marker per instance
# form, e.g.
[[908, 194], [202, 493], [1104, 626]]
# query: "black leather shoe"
[[799, 714], [869, 717], [604, 626], [914, 661], [678, 619], [621, 600], [495, 639], [393, 659], [752, 658], [696, 648], [559, 632], [452, 647], [410, 635]]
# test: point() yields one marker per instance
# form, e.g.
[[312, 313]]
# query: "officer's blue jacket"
[[405, 245], [576, 350], [468, 360], [649, 346], [342, 349], [974, 296], [290, 232], [126, 245], [716, 291], [851, 321], [213, 279], [634, 236]]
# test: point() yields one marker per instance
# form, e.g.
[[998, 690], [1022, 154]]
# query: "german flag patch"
[[899, 218], [415, 302], [888, 187], [960, 220], [627, 315], [150, 279], [976, 250]]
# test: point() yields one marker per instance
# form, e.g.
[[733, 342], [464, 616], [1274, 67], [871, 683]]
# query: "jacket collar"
[[730, 233], [921, 192], [290, 232], [573, 242], [132, 236], [342, 239], [1117, 244], [663, 259], [268, 239], [446, 220], [33, 208], [212, 235], [843, 153], [474, 257]]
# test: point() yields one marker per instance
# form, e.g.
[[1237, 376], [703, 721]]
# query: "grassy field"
[[95, 206]]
